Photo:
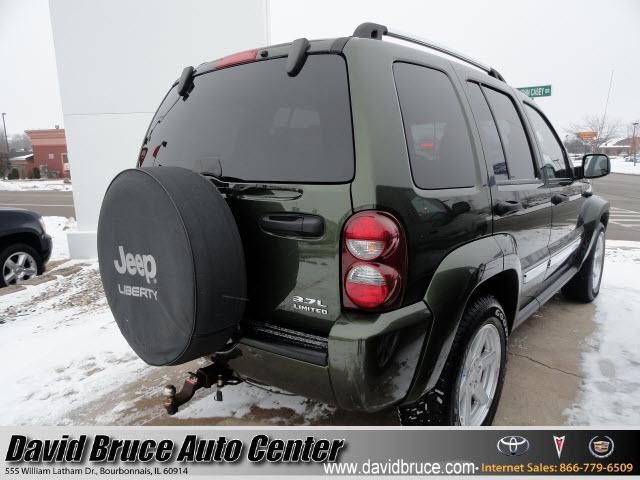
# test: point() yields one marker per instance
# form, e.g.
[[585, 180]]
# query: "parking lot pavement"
[[544, 364], [623, 193]]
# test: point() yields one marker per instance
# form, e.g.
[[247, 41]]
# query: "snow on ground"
[[59, 348], [620, 165], [31, 185], [241, 399], [58, 227], [610, 393]]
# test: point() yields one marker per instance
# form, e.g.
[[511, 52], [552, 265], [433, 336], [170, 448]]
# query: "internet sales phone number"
[[595, 468], [570, 468]]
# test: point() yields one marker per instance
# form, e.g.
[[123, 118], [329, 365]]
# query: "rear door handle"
[[293, 224], [507, 206], [558, 198]]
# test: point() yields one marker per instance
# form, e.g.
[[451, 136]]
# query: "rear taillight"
[[374, 261], [236, 59]]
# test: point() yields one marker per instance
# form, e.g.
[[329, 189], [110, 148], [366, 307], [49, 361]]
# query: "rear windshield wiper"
[[222, 178], [234, 186]]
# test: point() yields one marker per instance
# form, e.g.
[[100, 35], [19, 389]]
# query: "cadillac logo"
[[513, 445], [601, 446]]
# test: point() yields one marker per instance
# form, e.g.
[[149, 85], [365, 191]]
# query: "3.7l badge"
[[311, 305]]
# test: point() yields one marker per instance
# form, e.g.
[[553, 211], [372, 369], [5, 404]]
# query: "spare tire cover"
[[171, 263]]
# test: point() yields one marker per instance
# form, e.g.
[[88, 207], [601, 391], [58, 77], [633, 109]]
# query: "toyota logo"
[[513, 445]]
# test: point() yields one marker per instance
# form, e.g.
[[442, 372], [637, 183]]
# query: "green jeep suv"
[[360, 220]]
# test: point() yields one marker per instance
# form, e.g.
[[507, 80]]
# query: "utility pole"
[[633, 142], [6, 139]]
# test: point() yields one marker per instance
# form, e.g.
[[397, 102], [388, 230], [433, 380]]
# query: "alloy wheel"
[[20, 266], [478, 380], [598, 263]]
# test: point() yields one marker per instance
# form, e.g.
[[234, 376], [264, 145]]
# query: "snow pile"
[[620, 165], [58, 227], [610, 394], [31, 185]]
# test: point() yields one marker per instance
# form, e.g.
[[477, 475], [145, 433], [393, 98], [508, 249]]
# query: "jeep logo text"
[[143, 265]]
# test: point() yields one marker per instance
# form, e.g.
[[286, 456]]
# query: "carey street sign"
[[541, 91]]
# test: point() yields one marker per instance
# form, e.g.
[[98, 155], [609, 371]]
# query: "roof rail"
[[376, 31]]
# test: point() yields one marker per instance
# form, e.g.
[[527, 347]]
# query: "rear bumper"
[[370, 360]]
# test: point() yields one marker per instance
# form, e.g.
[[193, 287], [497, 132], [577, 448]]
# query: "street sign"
[[587, 135], [541, 91]]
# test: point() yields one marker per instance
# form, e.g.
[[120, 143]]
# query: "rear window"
[[253, 122]]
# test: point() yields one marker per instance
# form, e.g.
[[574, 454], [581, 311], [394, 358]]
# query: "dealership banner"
[[163, 452]]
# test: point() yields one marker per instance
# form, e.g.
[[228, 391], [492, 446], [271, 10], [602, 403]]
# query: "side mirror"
[[595, 165]]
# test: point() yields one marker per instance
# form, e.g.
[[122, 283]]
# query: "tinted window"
[[437, 136], [255, 123], [554, 164], [512, 133], [488, 133]]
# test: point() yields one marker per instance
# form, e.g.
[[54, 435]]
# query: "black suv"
[[25, 246], [351, 219]]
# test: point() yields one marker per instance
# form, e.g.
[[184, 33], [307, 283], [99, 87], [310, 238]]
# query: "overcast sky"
[[571, 44]]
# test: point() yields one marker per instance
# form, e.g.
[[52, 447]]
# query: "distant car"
[[25, 246]]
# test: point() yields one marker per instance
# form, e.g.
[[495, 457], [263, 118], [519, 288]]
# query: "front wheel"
[[585, 285], [19, 263], [469, 387]]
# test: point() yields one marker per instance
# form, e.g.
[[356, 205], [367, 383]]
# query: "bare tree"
[[20, 142], [605, 129]]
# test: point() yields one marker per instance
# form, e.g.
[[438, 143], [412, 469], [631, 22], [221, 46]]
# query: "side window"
[[437, 136], [512, 133], [554, 164], [488, 133]]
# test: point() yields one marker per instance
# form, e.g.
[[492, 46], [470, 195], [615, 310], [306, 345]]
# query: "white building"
[[116, 59]]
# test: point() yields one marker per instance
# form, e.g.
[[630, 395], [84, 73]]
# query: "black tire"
[[172, 264], [7, 251], [582, 287], [439, 406]]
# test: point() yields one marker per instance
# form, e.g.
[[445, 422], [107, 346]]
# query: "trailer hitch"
[[206, 377]]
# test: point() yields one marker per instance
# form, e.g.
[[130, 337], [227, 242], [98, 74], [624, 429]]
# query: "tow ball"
[[206, 377]]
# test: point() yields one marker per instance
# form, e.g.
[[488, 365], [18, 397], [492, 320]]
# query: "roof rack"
[[376, 31]]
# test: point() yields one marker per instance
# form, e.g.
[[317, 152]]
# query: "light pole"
[[633, 142], [6, 140]]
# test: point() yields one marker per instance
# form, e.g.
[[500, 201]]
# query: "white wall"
[[116, 59]]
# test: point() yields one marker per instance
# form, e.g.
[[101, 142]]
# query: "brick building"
[[50, 152]]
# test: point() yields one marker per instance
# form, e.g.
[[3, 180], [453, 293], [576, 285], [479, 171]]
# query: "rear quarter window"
[[438, 140]]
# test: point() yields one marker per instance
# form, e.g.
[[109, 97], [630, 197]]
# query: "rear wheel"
[[469, 387], [19, 263], [585, 285]]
